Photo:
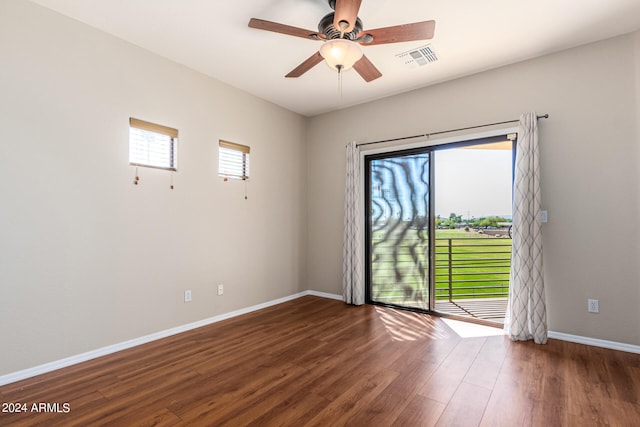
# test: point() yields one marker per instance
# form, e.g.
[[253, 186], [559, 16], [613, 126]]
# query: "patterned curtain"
[[526, 313], [352, 280]]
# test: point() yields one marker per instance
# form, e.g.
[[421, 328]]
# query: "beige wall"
[[589, 172], [87, 259]]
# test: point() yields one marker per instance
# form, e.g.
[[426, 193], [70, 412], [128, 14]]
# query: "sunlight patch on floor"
[[470, 330], [403, 325], [410, 326]]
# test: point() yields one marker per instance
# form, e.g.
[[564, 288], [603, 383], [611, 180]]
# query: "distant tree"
[[489, 221]]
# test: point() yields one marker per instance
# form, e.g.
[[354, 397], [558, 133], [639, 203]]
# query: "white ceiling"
[[212, 36]]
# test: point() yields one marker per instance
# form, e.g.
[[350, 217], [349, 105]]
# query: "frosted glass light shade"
[[340, 54]]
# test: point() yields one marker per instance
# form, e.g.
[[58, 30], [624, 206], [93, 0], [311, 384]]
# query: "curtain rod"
[[544, 116]]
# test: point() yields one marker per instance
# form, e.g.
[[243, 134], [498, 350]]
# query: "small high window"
[[233, 160], [152, 145]]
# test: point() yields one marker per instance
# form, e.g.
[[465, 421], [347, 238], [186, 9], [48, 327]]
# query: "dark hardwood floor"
[[319, 362]]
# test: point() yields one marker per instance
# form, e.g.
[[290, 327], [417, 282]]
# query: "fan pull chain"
[[339, 67]]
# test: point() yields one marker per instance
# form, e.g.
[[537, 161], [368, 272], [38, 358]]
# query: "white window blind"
[[233, 160], [152, 145]]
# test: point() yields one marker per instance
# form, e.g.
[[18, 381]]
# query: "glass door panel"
[[398, 223]]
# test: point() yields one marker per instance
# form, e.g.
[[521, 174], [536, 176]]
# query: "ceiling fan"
[[342, 32]]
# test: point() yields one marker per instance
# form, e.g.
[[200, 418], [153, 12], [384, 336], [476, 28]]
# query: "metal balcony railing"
[[465, 268], [472, 268]]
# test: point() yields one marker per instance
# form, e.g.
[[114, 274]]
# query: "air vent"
[[418, 57]]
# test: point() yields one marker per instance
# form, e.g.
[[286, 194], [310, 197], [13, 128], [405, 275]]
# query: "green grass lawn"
[[479, 264]]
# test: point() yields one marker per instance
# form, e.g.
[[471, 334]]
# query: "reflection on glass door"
[[398, 202]]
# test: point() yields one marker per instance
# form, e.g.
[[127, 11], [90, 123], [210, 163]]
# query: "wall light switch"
[[543, 216]]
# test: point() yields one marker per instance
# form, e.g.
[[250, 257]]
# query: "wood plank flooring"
[[319, 362]]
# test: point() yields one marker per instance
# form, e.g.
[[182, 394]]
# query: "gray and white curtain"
[[352, 280], [526, 313]]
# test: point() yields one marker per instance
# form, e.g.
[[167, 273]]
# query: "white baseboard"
[[326, 295], [612, 345], [68, 361]]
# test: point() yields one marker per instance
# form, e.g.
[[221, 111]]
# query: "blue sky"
[[473, 182]]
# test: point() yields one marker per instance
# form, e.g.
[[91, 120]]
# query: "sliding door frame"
[[407, 150]]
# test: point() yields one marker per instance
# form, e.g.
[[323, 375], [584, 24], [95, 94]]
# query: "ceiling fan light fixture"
[[340, 54]]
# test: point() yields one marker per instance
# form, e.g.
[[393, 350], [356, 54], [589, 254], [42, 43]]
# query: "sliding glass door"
[[438, 227]]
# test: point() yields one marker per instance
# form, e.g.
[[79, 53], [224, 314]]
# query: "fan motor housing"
[[325, 26]]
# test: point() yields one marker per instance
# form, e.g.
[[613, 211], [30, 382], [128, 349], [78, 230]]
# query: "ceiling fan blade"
[[400, 33], [346, 13], [308, 64], [261, 24], [366, 69]]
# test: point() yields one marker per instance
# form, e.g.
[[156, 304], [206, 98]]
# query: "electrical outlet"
[[593, 306], [187, 296], [220, 289]]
